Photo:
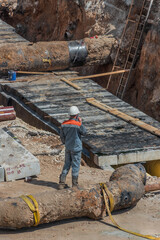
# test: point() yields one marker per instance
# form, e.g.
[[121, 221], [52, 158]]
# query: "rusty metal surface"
[[136, 169], [127, 190], [8, 36], [49, 56], [128, 181]]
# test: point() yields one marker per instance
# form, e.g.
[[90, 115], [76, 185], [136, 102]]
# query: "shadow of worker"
[[43, 183]]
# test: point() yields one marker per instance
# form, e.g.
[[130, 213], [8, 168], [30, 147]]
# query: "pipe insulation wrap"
[[77, 52]]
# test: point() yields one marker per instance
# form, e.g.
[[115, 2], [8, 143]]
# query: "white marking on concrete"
[[15, 159]]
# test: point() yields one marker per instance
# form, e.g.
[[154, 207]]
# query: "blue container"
[[12, 75]]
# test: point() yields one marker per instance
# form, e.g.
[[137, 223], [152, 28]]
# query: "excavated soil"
[[47, 147], [70, 20], [66, 19]]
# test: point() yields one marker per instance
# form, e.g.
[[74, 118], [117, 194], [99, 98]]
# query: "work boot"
[[62, 180], [75, 182]]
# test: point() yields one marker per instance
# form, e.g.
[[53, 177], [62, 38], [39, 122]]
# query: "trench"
[[75, 20], [63, 21], [30, 26]]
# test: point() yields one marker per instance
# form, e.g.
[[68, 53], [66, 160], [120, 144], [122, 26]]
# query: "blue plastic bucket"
[[12, 75]]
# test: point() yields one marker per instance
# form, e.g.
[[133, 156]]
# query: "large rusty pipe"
[[126, 185], [48, 56]]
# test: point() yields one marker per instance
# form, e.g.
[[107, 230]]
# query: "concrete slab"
[[103, 161], [139, 156], [15, 159]]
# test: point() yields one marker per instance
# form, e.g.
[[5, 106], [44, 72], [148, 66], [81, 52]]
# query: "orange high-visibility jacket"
[[70, 133]]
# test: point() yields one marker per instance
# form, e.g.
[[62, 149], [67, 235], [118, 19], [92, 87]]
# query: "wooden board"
[[127, 118], [99, 75], [70, 83]]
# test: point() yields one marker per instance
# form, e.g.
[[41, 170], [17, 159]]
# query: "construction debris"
[[125, 117]]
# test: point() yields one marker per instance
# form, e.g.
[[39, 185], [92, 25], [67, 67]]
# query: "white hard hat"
[[73, 111]]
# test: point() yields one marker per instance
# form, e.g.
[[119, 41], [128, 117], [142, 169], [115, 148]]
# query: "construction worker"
[[70, 134]]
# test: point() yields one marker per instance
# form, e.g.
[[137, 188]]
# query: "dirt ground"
[[143, 218]]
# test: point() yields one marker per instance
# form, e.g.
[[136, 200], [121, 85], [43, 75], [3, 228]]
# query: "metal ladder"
[[134, 46]]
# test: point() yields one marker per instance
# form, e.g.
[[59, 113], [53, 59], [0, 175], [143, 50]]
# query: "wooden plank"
[[98, 75], [21, 80], [65, 73], [70, 83], [37, 73], [117, 113]]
